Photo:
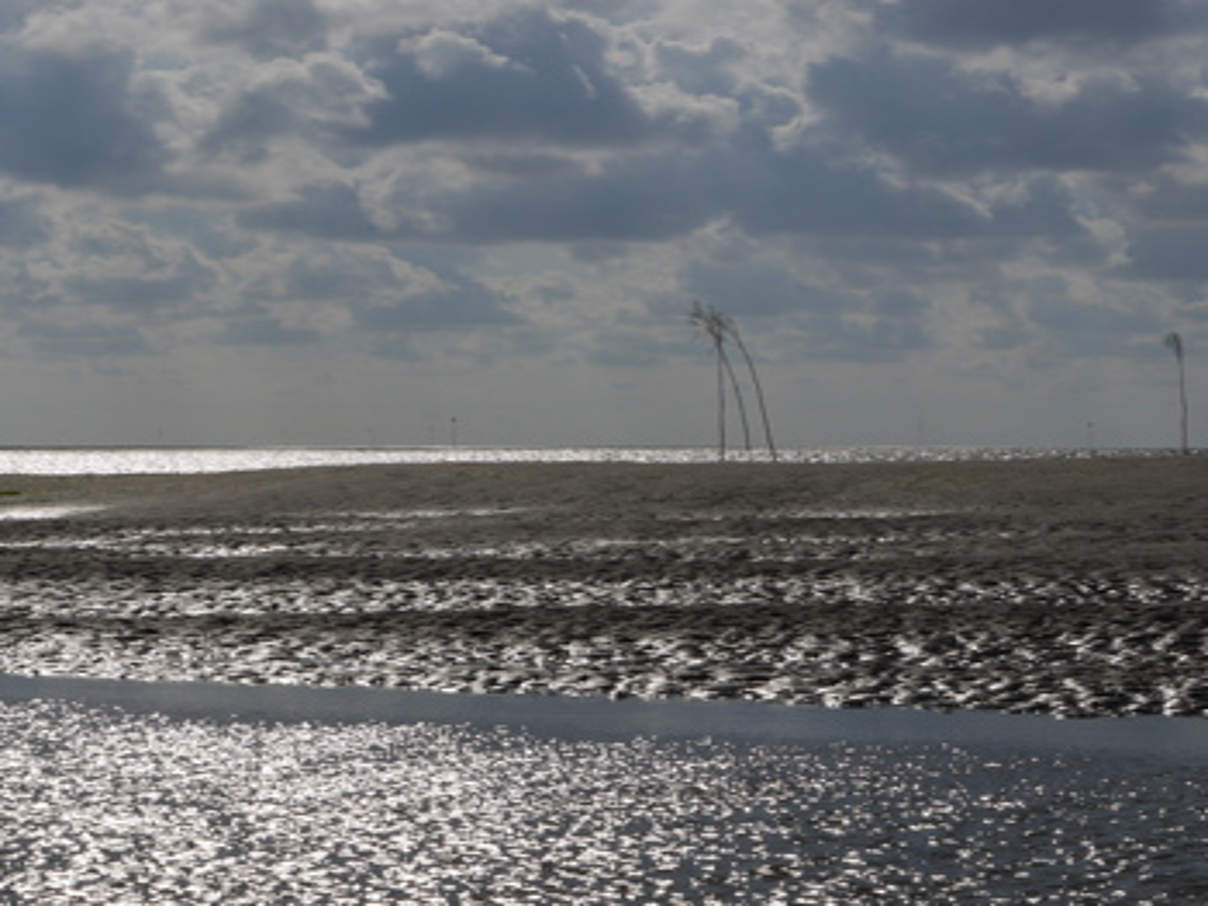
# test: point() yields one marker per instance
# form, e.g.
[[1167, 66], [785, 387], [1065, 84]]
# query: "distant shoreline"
[[135, 459]]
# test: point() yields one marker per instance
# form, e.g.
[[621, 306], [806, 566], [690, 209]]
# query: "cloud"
[[524, 75], [881, 325], [203, 229], [69, 120], [986, 23], [177, 288], [87, 340], [328, 211], [244, 128], [642, 197], [947, 122], [1043, 207], [21, 224], [255, 328], [701, 71], [337, 274], [755, 289], [804, 192], [1174, 252], [663, 195], [13, 13], [440, 53], [630, 349], [460, 304], [274, 28], [1091, 330]]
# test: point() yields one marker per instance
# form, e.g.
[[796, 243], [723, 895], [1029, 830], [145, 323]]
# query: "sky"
[[354, 221]]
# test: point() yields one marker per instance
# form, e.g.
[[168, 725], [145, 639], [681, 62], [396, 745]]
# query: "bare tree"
[[742, 407], [1175, 342], [714, 327], [732, 331]]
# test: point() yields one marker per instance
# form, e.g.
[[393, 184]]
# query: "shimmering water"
[[105, 805], [152, 460]]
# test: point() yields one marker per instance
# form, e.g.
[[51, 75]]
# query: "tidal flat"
[[1066, 587]]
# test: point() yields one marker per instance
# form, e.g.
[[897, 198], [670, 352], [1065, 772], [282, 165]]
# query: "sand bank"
[[1073, 587]]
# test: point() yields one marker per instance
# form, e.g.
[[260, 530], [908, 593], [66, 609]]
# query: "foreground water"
[[194, 793], [160, 460]]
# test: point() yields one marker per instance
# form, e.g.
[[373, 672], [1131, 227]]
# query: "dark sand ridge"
[[1070, 586]]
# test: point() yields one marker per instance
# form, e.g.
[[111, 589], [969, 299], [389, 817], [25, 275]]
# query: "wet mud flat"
[[1069, 587]]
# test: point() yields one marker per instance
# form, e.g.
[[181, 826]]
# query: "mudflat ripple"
[[929, 607]]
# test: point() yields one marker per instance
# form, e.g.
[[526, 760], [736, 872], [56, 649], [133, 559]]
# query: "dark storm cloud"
[[274, 28], [946, 122], [83, 340], [524, 75], [21, 225], [188, 278], [985, 23], [70, 120]]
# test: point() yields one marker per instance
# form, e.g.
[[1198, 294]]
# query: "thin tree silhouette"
[[710, 323], [719, 328], [1175, 342], [732, 330], [742, 408]]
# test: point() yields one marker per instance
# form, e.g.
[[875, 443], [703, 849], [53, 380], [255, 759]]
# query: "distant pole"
[[1175, 342], [721, 406], [453, 431], [1090, 436]]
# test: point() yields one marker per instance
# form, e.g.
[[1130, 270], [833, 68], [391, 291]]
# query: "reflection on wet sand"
[[102, 804]]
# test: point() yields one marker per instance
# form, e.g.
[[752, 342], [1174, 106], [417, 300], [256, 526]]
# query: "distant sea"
[[185, 460]]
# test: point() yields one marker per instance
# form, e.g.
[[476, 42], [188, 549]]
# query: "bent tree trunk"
[[763, 409], [742, 409]]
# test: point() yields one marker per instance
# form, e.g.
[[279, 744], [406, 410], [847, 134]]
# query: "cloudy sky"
[[351, 221]]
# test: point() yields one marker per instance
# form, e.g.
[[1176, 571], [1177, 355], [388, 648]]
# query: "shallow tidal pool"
[[198, 793]]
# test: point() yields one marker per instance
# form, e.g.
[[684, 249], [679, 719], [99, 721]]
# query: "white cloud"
[[439, 53]]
